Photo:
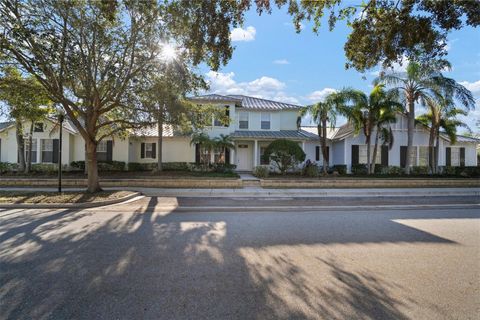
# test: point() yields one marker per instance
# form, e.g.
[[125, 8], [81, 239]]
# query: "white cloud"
[[281, 61], [263, 87], [472, 86], [240, 34], [320, 95]]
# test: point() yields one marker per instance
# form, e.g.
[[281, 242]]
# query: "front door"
[[244, 157]]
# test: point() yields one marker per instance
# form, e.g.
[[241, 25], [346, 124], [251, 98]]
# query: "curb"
[[69, 205]]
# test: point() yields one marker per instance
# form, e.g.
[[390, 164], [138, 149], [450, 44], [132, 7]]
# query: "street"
[[148, 260]]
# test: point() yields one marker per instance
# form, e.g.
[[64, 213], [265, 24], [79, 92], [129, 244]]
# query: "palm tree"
[[442, 115], [323, 113], [418, 84], [206, 145], [223, 142], [370, 113]]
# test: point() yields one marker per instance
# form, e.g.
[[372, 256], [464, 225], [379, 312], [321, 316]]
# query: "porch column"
[[232, 156], [303, 146], [255, 153]]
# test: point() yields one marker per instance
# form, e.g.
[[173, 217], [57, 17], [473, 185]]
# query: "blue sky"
[[272, 61]]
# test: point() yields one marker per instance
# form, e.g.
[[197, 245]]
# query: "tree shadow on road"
[[150, 264]]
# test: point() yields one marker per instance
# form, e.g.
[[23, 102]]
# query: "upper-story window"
[[219, 123], [265, 121], [38, 127], [243, 120]]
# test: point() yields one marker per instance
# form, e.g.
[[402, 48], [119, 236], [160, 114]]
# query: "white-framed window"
[[243, 120], [413, 156], [362, 154], [47, 150], [38, 127], [265, 121], [455, 157], [423, 156], [218, 156], [262, 160], [217, 122], [102, 151], [148, 150], [33, 150]]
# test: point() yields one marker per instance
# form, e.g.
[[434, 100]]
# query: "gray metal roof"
[[247, 102], [152, 131], [4, 125], [282, 134]]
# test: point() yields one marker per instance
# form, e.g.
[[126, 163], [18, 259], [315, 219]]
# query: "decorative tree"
[[286, 154]]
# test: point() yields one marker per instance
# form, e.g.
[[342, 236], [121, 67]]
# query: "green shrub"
[[46, 168], [111, 166], [261, 171], [224, 167], [419, 170], [175, 166], [359, 169], [340, 168], [7, 167], [136, 166], [470, 171], [449, 171], [79, 165], [285, 154], [393, 170], [310, 169]]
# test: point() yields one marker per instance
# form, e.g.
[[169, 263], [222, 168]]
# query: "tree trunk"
[[431, 142], [375, 149], [437, 149], [324, 146], [28, 159], [160, 143], [92, 168], [85, 169], [20, 145], [410, 131], [369, 163]]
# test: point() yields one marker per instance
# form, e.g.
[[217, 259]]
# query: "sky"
[[272, 61]]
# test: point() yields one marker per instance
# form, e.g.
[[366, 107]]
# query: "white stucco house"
[[254, 124]]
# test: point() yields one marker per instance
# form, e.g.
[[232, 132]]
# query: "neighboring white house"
[[254, 123]]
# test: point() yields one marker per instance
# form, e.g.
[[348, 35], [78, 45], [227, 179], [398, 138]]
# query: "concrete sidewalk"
[[296, 193]]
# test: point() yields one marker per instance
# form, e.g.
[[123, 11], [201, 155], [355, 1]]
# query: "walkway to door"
[[249, 180]]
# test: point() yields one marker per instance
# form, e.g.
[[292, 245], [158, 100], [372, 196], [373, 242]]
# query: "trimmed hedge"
[[340, 168], [261, 171], [359, 169], [102, 165]]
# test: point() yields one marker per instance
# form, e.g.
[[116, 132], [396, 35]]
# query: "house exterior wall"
[[177, 149], [338, 153]]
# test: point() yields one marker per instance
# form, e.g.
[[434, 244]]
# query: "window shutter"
[[55, 151], [462, 157], [154, 150], [197, 153], [448, 156], [109, 150], [317, 153], [227, 156], [227, 114], [403, 156], [328, 155], [354, 154], [142, 150], [384, 156]]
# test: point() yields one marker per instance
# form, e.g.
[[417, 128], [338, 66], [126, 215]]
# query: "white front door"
[[244, 157]]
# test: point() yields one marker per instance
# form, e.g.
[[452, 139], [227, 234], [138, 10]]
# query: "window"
[[243, 120], [265, 118], [38, 127], [33, 150], [102, 151], [217, 122], [148, 150], [413, 158], [262, 160], [47, 150], [455, 157], [218, 156], [362, 154], [423, 156]]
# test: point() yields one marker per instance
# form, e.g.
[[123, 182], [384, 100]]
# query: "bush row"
[[361, 169]]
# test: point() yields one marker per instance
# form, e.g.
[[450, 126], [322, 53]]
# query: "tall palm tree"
[[324, 114], [418, 84], [206, 146], [442, 115], [224, 142], [372, 113]]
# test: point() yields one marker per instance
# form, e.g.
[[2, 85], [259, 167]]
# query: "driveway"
[[142, 261]]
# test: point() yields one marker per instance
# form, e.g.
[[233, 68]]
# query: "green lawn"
[[54, 197]]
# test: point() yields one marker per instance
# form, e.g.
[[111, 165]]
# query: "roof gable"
[[246, 102]]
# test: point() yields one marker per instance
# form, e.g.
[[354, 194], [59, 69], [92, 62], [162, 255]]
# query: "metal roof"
[[247, 102], [152, 131], [4, 125], [282, 134]]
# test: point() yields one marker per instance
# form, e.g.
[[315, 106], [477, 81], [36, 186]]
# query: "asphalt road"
[[144, 261]]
